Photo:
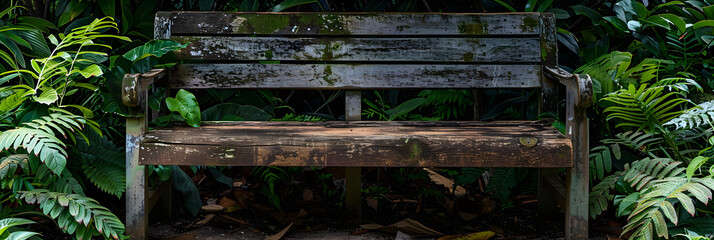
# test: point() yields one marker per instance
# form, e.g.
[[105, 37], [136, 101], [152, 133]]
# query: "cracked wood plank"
[[463, 50], [227, 23], [354, 76], [359, 144]]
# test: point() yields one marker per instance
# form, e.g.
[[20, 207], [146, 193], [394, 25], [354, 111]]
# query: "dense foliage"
[[61, 117]]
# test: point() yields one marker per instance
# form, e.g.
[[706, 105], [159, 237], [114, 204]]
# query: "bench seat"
[[360, 144]]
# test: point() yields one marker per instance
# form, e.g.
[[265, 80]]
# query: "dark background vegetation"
[[650, 125]]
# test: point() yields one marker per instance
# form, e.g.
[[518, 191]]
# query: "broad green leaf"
[[506, 5], [185, 104], [38, 23], [73, 9], [544, 5], [6, 223], [708, 11], [90, 71], [530, 5], [8, 77], [290, 3], [405, 108], [86, 112], [593, 15], [249, 6], [704, 23], [183, 183], [658, 21], [694, 165], [17, 54], [628, 204], [153, 48], [252, 113], [559, 13], [48, 96], [21, 235], [618, 23], [677, 21], [108, 7]]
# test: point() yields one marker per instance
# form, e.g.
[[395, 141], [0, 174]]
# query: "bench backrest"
[[359, 50]]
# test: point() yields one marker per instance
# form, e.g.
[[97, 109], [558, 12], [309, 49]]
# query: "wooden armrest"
[[134, 83], [582, 84]]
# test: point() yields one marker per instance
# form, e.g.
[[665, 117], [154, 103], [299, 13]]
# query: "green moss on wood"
[[468, 57], [529, 23]]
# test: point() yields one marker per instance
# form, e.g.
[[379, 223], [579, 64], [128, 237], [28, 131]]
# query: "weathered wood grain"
[[354, 76], [364, 144], [548, 42], [137, 215], [224, 48], [227, 23]]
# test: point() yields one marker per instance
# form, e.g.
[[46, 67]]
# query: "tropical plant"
[[76, 214], [7, 224]]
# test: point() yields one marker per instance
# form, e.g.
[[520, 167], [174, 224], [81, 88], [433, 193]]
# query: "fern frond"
[[600, 195], [501, 182], [63, 182], [108, 178], [38, 137], [103, 163], [659, 201], [645, 107], [447, 102], [76, 214], [639, 141], [14, 100], [10, 164], [696, 116], [46, 146]]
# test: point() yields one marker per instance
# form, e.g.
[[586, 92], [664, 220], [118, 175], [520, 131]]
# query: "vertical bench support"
[[547, 200], [578, 99], [135, 95], [136, 192], [353, 175]]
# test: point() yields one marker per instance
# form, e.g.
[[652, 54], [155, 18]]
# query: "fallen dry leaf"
[[307, 195], [473, 236], [407, 226], [466, 216], [280, 235], [446, 182], [373, 203], [212, 208]]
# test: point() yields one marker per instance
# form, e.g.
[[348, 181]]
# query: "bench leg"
[[576, 211], [353, 175], [547, 201], [136, 191], [353, 198]]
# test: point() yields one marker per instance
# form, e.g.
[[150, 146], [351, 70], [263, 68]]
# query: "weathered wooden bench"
[[363, 52]]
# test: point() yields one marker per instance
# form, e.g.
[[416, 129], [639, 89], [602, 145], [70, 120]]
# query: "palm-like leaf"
[[695, 117], [76, 214], [648, 107], [38, 137]]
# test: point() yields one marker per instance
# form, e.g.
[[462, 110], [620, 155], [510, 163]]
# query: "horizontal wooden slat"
[[354, 76], [227, 23], [360, 49], [365, 144]]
